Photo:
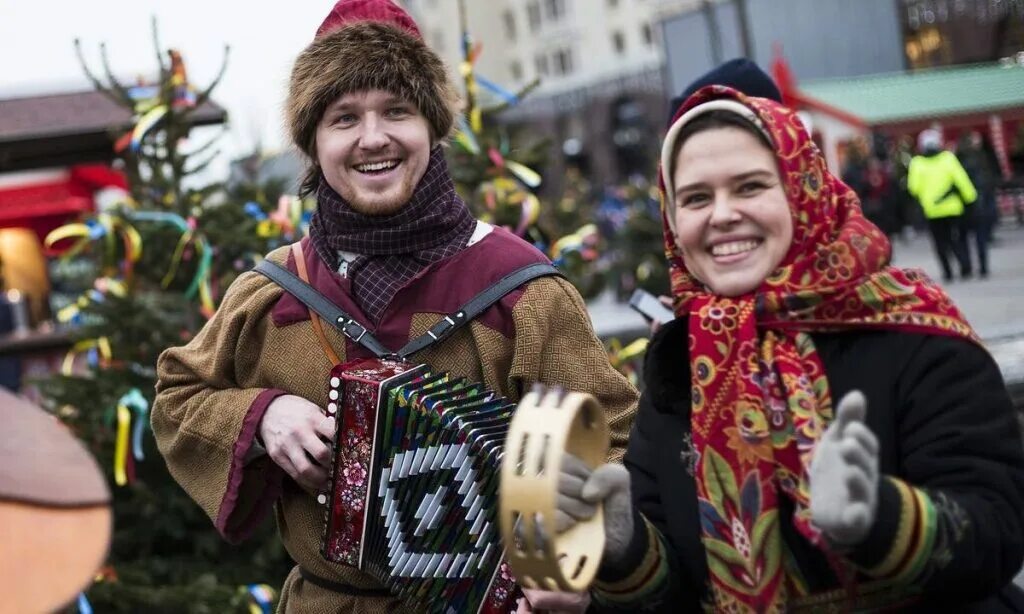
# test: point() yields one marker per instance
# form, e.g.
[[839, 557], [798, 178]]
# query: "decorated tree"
[[159, 257]]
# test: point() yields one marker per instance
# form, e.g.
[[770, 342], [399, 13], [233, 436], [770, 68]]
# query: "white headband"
[[721, 104]]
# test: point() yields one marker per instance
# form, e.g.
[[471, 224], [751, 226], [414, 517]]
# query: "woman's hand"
[[581, 490], [844, 475], [294, 432]]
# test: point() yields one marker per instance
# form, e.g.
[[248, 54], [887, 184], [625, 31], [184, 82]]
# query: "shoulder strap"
[[317, 302], [318, 328], [322, 306], [477, 305]]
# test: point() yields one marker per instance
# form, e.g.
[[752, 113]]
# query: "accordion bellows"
[[414, 488]]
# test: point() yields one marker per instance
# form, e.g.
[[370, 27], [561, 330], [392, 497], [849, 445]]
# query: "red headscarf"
[[760, 396]]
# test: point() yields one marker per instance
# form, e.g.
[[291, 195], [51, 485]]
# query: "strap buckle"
[[445, 325], [348, 325]]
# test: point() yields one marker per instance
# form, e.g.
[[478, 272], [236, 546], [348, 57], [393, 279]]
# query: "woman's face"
[[732, 221]]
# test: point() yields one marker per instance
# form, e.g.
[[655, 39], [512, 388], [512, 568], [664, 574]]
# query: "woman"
[[818, 430]]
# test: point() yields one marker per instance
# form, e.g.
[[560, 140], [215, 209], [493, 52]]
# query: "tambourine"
[[549, 423]]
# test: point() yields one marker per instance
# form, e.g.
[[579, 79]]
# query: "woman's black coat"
[[940, 410]]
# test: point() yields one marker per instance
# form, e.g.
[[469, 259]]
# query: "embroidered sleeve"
[[903, 539], [641, 580]]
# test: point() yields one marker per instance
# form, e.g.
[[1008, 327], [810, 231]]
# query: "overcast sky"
[[37, 53]]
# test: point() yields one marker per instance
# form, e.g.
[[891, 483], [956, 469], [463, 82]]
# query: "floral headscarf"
[[760, 397]]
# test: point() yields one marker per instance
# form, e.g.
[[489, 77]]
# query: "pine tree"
[[162, 256]]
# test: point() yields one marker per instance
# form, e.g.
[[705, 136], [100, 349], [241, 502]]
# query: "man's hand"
[[295, 433], [844, 475], [552, 602], [581, 490]]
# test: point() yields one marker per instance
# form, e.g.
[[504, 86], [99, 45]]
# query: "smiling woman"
[[819, 431], [729, 211]]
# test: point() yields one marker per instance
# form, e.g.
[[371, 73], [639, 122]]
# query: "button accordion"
[[413, 499]]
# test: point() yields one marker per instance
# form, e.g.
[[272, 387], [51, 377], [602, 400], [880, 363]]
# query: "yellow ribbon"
[[124, 419]]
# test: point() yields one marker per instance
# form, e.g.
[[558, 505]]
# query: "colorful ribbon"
[[261, 598]]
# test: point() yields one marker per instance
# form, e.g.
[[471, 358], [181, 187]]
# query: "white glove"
[[581, 490], [844, 475]]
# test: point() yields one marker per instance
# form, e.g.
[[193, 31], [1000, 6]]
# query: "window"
[[618, 42], [541, 64], [516, 70], [510, 25], [533, 14], [647, 34], [563, 61], [554, 9]]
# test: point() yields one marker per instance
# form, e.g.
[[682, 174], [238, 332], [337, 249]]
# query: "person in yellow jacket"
[[940, 184]]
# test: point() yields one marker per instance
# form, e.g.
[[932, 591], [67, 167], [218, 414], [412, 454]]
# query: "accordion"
[[414, 485]]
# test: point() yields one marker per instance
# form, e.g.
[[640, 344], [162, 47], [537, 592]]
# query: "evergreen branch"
[[207, 145], [205, 94], [96, 83], [121, 90], [164, 69], [202, 165]]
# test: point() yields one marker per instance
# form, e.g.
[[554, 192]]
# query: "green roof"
[[892, 97]]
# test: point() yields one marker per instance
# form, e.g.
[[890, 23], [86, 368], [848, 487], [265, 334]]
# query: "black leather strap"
[[312, 298], [355, 331], [477, 305]]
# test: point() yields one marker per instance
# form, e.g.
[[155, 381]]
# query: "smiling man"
[[240, 413]]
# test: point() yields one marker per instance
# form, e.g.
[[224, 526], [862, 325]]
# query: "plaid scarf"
[[432, 226]]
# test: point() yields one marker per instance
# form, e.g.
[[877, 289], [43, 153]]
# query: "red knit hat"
[[384, 11]]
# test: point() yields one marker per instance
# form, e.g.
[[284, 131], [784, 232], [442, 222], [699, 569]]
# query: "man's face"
[[373, 148]]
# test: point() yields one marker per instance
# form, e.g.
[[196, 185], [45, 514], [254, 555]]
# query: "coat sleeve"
[[962, 180], [651, 576], [205, 419], [914, 177], [555, 344], [950, 522]]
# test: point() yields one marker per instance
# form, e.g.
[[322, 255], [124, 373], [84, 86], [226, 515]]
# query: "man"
[[979, 160], [392, 245], [941, 186]]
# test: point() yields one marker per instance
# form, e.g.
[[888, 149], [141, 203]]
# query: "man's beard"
[[377, 204]]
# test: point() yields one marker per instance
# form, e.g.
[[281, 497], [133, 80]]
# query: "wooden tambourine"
[[55, 517], [547, 425]]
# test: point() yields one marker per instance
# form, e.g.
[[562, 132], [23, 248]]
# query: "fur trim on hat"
[[362, 56]]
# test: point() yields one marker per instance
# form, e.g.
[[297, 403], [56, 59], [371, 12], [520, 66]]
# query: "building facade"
[[601, 99]]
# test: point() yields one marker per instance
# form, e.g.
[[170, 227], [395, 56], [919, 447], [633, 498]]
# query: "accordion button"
[[333, 395], [335, 382], [332, 408], [321, 499]]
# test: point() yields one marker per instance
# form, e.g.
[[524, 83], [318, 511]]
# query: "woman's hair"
[[718, 119]]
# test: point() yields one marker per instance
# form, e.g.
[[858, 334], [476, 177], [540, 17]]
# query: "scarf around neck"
[[760, 398], [435, 224]]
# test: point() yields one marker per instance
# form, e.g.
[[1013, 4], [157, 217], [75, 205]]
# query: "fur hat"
[[363, 45]]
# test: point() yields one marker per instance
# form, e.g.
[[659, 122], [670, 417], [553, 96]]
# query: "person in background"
[[740, 74], [942, 188], [818, 431], [979, 160]]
